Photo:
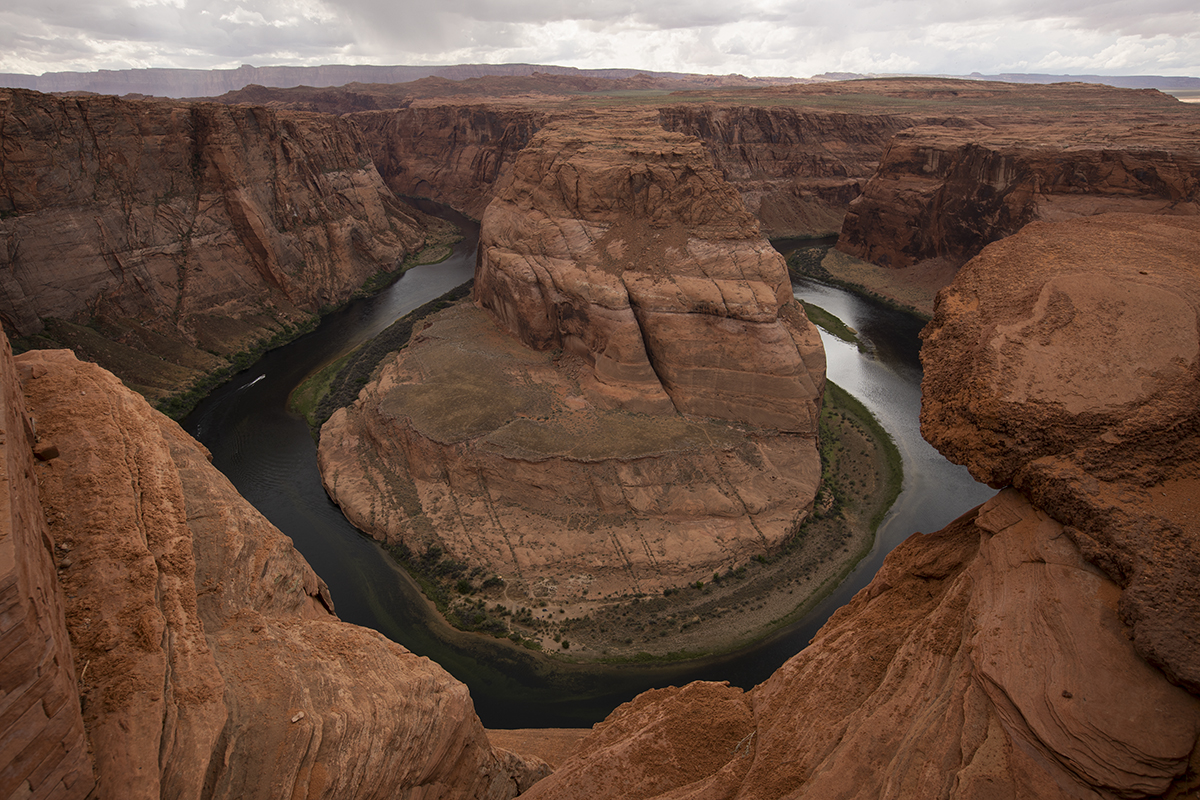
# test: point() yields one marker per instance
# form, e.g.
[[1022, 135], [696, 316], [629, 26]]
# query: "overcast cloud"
[[752, 37]]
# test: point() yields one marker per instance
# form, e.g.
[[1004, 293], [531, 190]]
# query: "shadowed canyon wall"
[[182, 233]]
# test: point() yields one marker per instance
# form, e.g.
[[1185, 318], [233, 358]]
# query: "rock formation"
[[208, 659], [943, 193], [178, 234], [1064, 361], [453, 153], [637, 406], [1030, 649], [43, 749]]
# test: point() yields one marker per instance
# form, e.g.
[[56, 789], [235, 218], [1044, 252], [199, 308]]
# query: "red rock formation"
[[618, 243], [1025, 650], [209, 659], [638, 290], [184, 230], [941, 193], [43, 750], [986, 660], [796, 169], [454, 154], [1074, 378]]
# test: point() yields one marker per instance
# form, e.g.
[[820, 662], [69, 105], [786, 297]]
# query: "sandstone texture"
[[1042, 645], [452, 153], [632, 405], [159, 237], [1065, 361], [944, 193], [43, 749], [208, 658], [986, 660]]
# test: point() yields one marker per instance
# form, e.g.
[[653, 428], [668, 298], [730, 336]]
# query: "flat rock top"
[[463, 379]]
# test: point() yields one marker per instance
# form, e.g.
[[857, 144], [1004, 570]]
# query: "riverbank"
[[912, 290]]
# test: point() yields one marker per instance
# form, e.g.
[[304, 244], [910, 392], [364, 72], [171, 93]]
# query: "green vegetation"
[[832, 325]]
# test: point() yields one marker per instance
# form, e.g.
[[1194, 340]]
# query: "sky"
[[796, 38]]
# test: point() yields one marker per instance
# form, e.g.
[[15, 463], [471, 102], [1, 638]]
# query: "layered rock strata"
[[986, 660], [453, 153], [43, 749], [208, 658], [635, 400], [1042, 645], [180, 234], [1065, 361], [946, 193]]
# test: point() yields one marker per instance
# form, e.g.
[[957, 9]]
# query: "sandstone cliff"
[[941, 193], [1075, 379], [174, 235], [796, 169], [637, 407], [1030, 649], [43, 749], [451, 153], [208, 658]]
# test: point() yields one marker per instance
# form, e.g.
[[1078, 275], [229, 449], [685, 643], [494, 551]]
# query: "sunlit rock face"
[[631, 403], [203, 649], [1042, 645]]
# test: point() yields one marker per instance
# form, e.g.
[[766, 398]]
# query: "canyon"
[[1043, 645]]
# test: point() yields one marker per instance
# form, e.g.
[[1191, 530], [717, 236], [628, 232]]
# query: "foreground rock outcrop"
[[1065, 361], [159, 238], [208, 659], [1042, 644], [633, 404]]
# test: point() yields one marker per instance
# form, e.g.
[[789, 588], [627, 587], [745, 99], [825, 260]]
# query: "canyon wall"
[[453, 154], [1042, 645], [208, 660], [43, 748], [160, 237], [942, 193], [632, 405], [796, 169]]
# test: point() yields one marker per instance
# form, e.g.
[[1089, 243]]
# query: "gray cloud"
[[756, 37]]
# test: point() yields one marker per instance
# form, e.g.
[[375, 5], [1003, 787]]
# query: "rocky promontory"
[[630, 404], [200, 646], [1042, 645]]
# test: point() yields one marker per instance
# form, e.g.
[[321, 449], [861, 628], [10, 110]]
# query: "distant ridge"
[[179, 83], [1162, 82]]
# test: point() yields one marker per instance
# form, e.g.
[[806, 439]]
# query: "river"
[[268, 454]]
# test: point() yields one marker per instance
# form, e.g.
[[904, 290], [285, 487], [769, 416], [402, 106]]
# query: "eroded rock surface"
[[635, 404], [986, 660], [181, 233], [1043, 645], [942, 193], [209, 660], [1066, 361]]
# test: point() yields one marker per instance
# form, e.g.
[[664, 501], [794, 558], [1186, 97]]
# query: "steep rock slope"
[[634, 406], [1075, 377], [1003, 655], [451, 153], [43, 749], [796, 169], [209, 661], [941, 193], [183, 233]]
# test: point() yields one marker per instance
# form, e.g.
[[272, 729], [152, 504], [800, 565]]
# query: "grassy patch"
[[832, 325]]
